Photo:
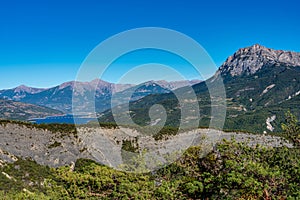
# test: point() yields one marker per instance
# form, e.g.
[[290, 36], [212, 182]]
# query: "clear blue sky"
[[42, 43]]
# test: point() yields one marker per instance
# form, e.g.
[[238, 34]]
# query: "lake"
[[64, 119]]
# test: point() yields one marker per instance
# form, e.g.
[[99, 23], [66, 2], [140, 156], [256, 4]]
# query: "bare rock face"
[[105, 145], [43, 146], [251, 59]]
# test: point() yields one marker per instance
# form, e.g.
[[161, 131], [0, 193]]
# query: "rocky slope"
[[105, 145]]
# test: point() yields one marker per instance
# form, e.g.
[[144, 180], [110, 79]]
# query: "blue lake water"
[[64, 119]]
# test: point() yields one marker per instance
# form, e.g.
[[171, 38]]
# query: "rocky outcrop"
[[251, 59], [43, 146], [268, 122]]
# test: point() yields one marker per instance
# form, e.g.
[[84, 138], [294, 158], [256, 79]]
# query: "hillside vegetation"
[[231, 171]]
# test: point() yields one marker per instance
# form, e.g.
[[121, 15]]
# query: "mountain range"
[[261, 85], [60, 97]]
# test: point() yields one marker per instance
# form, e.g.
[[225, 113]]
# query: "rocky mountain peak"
[[25, 89], [251, 59], [173, 85], [67, 84], [22, 88], [97, 83]]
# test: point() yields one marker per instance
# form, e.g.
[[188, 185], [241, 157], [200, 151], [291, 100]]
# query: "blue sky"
[[43, 43]]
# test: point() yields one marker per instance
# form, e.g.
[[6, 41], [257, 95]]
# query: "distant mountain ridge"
[[19, 92], [60, 97]]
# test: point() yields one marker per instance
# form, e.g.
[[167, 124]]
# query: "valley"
[[259, 83], [48, 152], [150, 100]]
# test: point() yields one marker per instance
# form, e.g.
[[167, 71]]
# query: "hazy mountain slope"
[[140, 91], [22, 111], [60, 97], [19, 92], [173, 85]]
